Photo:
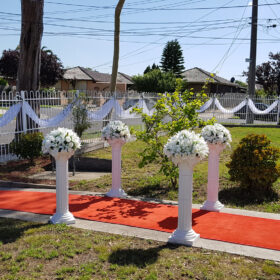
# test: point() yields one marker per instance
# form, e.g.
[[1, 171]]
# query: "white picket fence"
[[53, 104]]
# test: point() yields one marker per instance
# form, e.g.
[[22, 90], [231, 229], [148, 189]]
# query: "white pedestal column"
[[116, 190], [62, 215], [184, 234], [212, 203]]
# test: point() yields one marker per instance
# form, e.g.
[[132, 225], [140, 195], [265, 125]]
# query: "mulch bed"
[[20, 170]]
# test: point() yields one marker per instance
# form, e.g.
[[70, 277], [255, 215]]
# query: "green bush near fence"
[[28, 146]]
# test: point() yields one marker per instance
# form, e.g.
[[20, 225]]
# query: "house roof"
[[76, 73], [124, 78], [198, 75], [85, 74]]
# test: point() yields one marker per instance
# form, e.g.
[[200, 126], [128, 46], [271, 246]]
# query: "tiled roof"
[[198, 75], [81, 73], [97, 76], [76, 73], [124, 78]]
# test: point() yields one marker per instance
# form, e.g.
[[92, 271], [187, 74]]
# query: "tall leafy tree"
[[155, 81], [51, 68], [172, 59], [9, 63], [268, 74], [149, 68]]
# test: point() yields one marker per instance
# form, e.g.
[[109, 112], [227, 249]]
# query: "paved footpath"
[[152, 234]]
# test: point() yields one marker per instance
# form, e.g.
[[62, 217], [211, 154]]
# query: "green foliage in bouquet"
[[28, 146], [254, 163], [173, 112]]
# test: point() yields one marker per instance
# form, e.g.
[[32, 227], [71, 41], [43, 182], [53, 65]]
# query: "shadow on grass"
[[11, 230], [138, 257], [241, 196]]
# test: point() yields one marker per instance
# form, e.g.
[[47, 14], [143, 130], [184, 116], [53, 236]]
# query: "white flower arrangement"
[[216, 134], [184, 145], [115, 130], [61, 139]]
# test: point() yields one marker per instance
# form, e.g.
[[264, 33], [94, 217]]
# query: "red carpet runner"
[[238, 229]]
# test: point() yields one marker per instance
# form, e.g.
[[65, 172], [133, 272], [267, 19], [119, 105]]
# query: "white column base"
[[183, 237], [212, 206], [116, 193], [66, 218]]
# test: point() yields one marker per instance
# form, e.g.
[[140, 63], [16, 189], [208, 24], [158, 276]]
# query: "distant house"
[[80, 78], [197, 77]]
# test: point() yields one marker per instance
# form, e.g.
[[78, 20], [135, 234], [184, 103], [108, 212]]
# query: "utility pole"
[[253, 55]]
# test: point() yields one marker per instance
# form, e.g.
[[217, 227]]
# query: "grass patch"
[[105, 256], [148, 182]]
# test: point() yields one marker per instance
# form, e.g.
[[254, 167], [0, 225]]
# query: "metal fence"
[[49, 104]]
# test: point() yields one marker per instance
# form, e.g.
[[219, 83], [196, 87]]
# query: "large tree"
[[151, 68], [9, 63], [115, 66], [268, 74], [172, 59], [155, 81], [51, 69]]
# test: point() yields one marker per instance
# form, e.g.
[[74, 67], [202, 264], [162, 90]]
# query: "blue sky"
[[213, 35]]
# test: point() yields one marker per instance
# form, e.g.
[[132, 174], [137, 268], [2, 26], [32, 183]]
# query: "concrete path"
[[155, 235], [49, 175]]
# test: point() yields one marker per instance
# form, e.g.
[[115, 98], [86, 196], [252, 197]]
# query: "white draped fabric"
[[120, 112], [231, 111], [54, 121], [128, 114], [260, 112], [205, 106], [102, 112], [10, 114]]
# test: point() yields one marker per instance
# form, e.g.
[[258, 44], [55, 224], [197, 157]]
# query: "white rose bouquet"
[[61, 139], [186, 144], [216, 134], [115, 130]]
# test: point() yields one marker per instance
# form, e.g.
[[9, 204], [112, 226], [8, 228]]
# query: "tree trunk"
[[28, 76], [116, 46]]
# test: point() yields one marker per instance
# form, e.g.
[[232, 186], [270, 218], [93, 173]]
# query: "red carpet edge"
[[238, 229]]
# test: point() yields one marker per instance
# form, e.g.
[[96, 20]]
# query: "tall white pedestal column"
[[62, 215], [212, 203], [116, 190], [184, 234]]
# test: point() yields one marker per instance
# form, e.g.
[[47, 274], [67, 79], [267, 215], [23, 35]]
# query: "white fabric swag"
[[231, 111], [128, 114], [10, 114], [120, 112], [54, 121], [102, 112], [260, 112], [205, 106]]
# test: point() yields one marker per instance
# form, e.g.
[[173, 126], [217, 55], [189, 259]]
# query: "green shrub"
[[172, 113], [28, 146], [3, 82], [254, 163]]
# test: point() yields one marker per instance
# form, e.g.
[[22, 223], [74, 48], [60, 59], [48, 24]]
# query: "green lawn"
[[36, 251], [148, 182]]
